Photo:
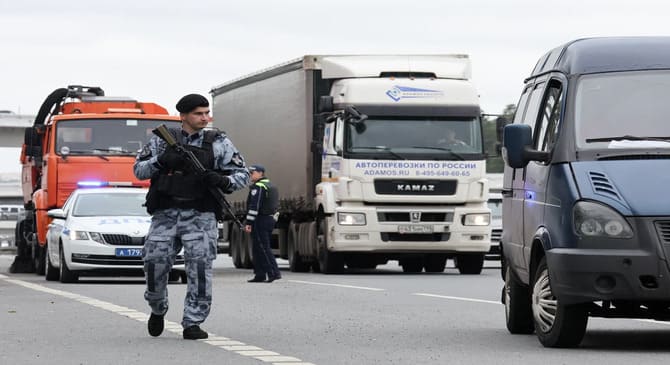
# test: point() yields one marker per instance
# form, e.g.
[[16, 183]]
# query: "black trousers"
[[265, 264]]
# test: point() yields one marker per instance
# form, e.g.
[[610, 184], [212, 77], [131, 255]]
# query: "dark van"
[[586, 202]]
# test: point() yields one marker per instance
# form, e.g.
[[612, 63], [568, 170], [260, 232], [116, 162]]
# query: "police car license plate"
[[415, 228], [128, 252]]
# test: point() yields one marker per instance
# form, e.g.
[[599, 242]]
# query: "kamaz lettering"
[[415, 187]]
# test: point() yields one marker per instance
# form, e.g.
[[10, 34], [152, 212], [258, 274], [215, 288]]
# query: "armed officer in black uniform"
[[262, 205]]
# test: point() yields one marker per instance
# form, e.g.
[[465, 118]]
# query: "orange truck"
[[80, 138]]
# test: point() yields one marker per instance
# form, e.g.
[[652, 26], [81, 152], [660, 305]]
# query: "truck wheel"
[[470, 263], [435, 263], [412, 265], [556, 324], [51, 272], [329, 262], [518, 313], [295, 262], [245, 251], [39, 258], [235, 253], [23, 262], [66, 276]]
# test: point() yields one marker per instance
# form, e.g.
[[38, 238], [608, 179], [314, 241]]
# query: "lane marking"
[[493, 302], [456, 298], [224, 343], [336, 285]]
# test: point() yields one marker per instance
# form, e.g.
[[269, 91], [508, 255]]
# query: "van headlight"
[[478, 219], [351, 219], [597, 220]]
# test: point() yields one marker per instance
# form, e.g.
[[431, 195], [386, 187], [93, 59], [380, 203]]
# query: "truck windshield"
[[106, 136], [623, 110], [415, 138]]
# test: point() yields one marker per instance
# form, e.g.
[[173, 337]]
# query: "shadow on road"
[[627, 340]]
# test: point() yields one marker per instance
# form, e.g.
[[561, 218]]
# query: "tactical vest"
[[184, 189], [270, 202]]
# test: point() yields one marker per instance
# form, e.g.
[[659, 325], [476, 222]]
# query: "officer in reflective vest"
[[184, 212], [262, 205]]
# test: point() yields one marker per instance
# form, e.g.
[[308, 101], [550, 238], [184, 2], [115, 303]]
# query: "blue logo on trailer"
[[404, 92]]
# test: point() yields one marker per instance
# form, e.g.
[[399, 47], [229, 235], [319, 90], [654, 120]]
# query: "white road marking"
[[221, 342], [337, 285], [456, 298]]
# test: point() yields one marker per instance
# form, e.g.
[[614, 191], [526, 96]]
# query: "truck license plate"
[[415, 228], [128, 252]]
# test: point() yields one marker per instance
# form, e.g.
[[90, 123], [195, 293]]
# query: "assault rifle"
[[163, 133]]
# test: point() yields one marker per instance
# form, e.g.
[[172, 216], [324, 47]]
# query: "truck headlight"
[[597, 220], [478, 219], [351, 219]]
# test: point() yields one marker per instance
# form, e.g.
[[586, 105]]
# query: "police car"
[[100, 231]]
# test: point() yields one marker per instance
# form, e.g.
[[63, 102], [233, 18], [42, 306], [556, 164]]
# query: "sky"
[[160, 50]]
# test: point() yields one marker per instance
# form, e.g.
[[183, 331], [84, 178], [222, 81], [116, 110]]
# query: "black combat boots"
[[155, 324], [194, 333]]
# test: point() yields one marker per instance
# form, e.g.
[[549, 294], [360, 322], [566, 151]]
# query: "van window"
[[622, 104], [547, 128], [521, 107], [530, 116]]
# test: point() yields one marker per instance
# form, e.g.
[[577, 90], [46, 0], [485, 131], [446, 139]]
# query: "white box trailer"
[[376, 157]]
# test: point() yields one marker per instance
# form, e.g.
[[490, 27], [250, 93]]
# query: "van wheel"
[[518, 312], [470, 263], [556, 324]]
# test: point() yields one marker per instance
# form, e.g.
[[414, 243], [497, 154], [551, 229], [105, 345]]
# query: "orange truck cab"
[[80, 137]]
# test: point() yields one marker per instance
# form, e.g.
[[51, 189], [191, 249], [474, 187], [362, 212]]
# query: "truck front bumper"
[[403, 231]]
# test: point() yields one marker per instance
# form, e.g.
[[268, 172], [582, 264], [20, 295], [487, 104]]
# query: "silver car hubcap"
[[544, 302]]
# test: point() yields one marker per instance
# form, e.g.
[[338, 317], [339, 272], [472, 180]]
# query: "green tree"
[[494, 162]]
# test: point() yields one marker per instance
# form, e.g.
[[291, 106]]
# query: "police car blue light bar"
[[98, 184]]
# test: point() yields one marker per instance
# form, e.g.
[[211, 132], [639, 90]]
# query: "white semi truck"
[[376, 157]]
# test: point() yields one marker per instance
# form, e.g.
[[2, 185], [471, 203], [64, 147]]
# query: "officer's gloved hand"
[[171, 159], [214, 179]]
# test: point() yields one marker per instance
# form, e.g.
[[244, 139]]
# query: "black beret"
[[190, 102]]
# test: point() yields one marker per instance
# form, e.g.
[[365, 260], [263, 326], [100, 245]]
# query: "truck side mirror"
[[325, 104], [33, 142], [517, 150]]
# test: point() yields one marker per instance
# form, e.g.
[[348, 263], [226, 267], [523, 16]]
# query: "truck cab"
[[586, 215]]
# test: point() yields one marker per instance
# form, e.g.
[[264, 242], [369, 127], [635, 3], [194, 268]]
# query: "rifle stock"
[[163, 133]]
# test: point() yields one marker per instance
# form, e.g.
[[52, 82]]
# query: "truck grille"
[[122, 240], [407, 217], [495, 235], [415, 187]]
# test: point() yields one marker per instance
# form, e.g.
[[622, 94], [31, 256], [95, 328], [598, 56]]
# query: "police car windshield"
[[416, 137], [622, 110], [110, 204], [106, 136]]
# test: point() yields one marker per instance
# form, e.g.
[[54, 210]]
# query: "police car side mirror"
[[56, 213]]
